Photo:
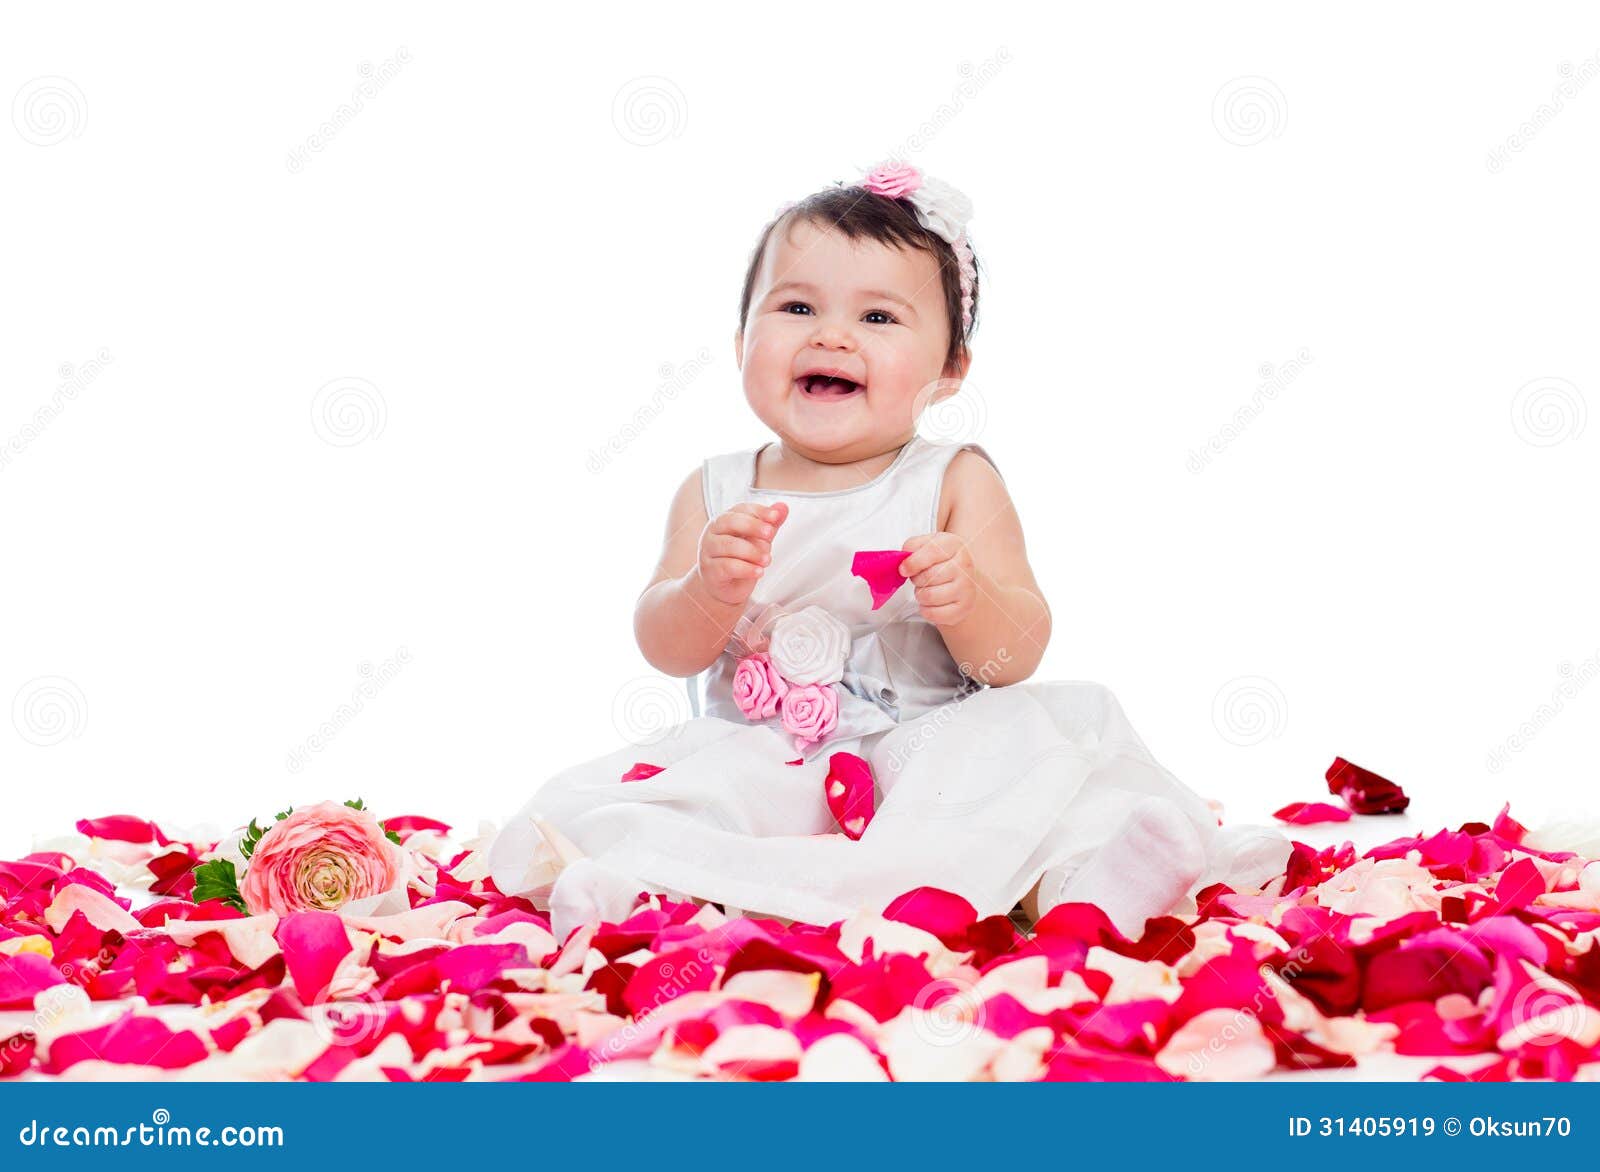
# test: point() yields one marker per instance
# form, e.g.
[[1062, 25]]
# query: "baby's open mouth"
[[827, 386]]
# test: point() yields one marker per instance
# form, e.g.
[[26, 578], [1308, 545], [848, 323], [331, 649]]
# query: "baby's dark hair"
[[863, 215]]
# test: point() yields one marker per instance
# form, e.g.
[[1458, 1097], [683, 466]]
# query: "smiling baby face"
[[844, 343]]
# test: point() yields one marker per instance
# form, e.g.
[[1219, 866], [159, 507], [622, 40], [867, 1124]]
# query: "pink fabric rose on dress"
[[895, 180], [810, 712], [320, 858], [758, 689]]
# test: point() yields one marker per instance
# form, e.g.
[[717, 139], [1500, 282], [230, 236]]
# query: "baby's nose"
[[833, 337]]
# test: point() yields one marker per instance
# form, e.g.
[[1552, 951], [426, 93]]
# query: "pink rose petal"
[[24, 975], [313, 944], [880, 569], [130, 1040], [642, 770]]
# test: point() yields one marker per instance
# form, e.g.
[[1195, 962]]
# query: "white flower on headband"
[[942, 210]]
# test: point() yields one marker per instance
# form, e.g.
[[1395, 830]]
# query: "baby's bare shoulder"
[[689, 501], [971, 486]]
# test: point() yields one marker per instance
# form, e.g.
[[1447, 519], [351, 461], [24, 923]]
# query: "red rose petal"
[[1308, 813], [880, 569], [1519, 884], [122, 828], [941, 913], [1364, 791], [849, 791], [642, 770]]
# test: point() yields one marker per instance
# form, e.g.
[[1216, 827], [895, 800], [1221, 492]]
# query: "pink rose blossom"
[[320, 858], [810, 712], [758, 689], [895, 180]]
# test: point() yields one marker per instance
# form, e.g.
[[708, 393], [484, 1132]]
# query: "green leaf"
[[393, 837], [247, 844], [217, 879], [285, 814], [357, 804]]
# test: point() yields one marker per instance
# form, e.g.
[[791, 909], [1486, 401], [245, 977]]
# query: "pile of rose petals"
[[1468, 947]]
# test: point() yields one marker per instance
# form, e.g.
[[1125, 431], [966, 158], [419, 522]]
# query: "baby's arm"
[[707, 571], [973, 580]]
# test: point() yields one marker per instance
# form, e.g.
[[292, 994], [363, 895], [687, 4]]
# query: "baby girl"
[[859, 739]]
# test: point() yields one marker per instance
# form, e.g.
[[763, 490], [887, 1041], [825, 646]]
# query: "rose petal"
[[1363, 791], [132, 1039], [122, 828], [1519, 884], [880, 569], [313, 944], [849, 791], [100, 910], [1219, 1045], [23, 976], [1307, 813]]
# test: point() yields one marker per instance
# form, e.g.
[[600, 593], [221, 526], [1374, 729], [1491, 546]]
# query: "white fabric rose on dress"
[[944, 210], [809, 646]]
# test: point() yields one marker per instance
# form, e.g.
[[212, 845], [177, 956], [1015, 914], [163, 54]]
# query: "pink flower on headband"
[[895, 180]]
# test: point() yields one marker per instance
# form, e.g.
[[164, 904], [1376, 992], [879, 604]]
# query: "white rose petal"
[[810, 647], [944, 209]]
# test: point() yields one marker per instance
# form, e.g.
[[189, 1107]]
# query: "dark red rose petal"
[[1364, 791]]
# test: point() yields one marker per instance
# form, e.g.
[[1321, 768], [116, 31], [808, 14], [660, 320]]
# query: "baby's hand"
[[943, 574], [736, 547]]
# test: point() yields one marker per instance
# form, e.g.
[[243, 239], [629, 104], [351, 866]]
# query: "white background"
[[534, 215]]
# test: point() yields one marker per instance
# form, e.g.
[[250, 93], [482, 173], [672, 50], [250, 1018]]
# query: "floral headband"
[[940, 208]]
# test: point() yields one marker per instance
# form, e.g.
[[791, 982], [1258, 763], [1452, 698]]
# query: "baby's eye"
[[791, 306], [886, 316]]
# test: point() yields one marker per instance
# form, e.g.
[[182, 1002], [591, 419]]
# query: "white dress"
[[980, 790]]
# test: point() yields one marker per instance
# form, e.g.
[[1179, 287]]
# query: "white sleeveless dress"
[[980, 790]]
